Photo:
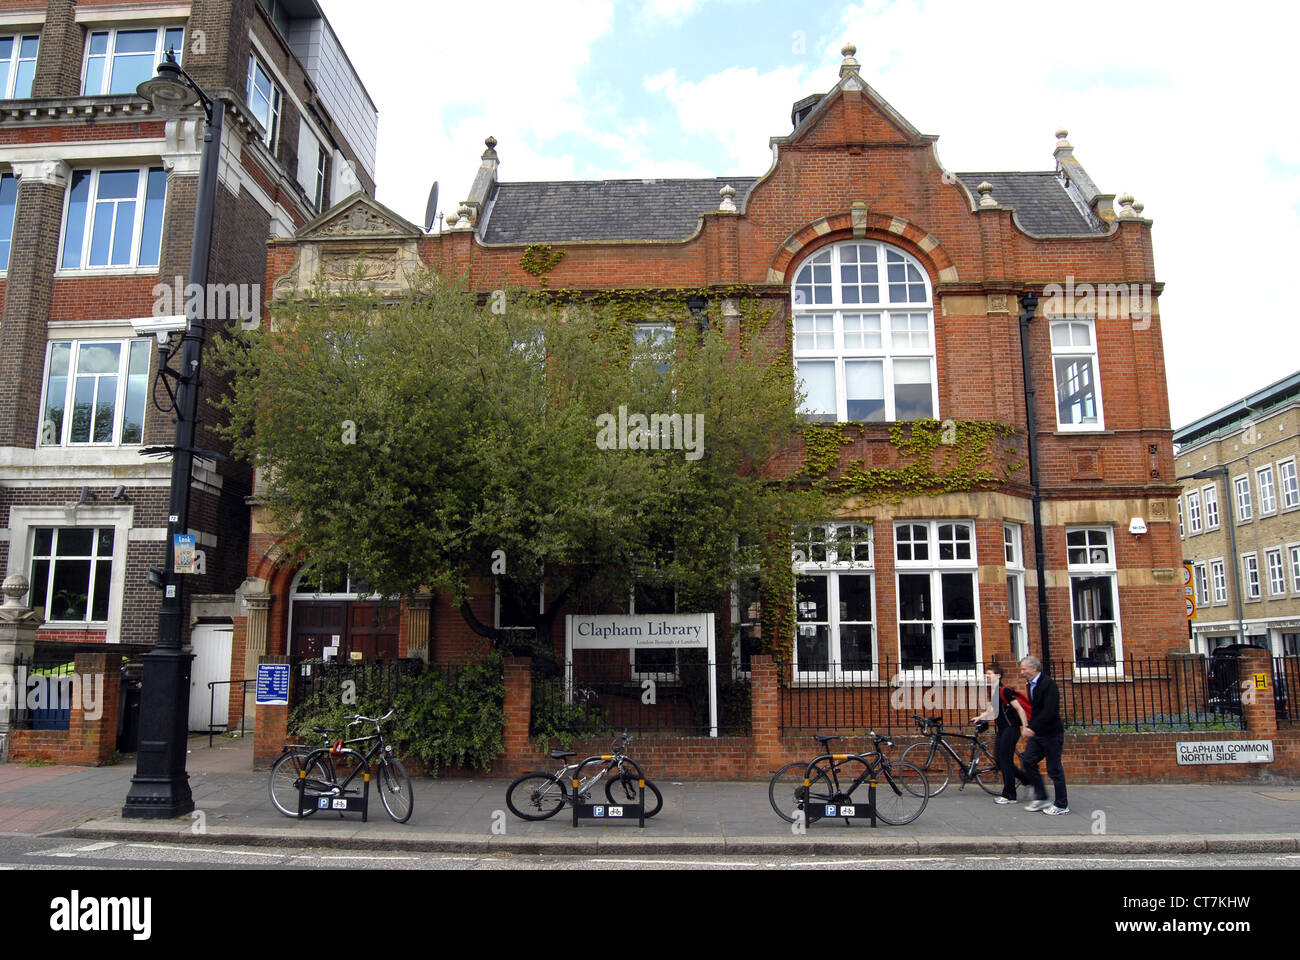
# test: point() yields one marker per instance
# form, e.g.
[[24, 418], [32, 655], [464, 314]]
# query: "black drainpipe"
[[1028, 305]]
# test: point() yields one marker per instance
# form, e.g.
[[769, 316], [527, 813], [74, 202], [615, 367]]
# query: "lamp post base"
[[161, 788]]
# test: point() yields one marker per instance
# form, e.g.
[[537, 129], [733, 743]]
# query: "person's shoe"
[[1055, 811], [1037, 805], [1005, 800]]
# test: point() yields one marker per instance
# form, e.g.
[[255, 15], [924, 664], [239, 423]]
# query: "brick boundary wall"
[[86, 742], [1088, 758], [271, 726]]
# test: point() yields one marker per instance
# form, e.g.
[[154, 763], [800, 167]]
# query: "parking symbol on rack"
[[598, 811], [830, 809]]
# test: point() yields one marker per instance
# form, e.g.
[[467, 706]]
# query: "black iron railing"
[[40, 696]]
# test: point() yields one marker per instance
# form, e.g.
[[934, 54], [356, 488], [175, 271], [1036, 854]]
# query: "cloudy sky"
[[1187, 106]]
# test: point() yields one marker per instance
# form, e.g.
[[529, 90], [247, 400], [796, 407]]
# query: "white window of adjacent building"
[[1267, 491], [1293, 556], [654, 343], [1250, 576], [1094, 601], [114, 218], [1287, 480], [1194, 513], [94, 392], [1012, 545], [8, 211], [263, 96], [1241, 488], [835, 631], [1210, 495], [18, 65], [1182, 531], [864, 335], [1219, 578], [938, 598], [1202, 579], [318, 198], [1276, 572], [72, 573], [1074, 366], [119, 60]]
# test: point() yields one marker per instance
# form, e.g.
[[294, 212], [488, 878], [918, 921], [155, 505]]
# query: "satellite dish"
[[431, 210]]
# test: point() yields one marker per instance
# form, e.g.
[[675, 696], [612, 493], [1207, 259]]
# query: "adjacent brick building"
[[1240, 520], [97, 198], [897, 287]]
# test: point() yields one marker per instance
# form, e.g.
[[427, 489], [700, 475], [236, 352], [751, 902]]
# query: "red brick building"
[[97, 198], [898, 288]]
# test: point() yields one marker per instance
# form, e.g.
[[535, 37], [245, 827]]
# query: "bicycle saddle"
[[320, 729], [823, 739], [561, 755]]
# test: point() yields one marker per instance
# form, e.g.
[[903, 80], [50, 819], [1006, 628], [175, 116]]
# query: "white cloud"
[[674, 11]]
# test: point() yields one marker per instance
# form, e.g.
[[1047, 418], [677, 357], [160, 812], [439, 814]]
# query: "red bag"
[[1011, 695]]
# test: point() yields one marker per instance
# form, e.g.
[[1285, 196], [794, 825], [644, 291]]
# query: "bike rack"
[[608, 811], [830, 811], [311, 800]]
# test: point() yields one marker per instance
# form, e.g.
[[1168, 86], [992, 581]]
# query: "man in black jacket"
[[1046, 738]]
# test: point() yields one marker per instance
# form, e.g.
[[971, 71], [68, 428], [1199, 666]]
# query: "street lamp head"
[[170, 91]]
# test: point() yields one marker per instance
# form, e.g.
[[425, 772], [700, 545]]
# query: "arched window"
[[864, 335]]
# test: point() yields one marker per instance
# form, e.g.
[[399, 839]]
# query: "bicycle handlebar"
[[353, 721]]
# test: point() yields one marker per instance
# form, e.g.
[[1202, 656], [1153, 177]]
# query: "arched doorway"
[[336, 617]]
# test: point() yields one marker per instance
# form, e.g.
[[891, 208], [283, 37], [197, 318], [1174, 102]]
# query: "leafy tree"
[[414, 438]]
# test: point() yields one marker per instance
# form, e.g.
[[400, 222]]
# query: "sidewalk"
[[456, 815]]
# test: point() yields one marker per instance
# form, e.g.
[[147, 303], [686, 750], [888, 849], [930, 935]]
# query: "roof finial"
[[1138, 208], [728, 204], [849, 65], [491, 151], [1126, 208], [1064, 149], [986, 194]]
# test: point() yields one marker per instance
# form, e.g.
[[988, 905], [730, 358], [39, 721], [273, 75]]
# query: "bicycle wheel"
[[785, 791], [933, 761], [283, 781], [843, 776], [987, 774], [901, 793], [536, 796], [395, 789], [620, 790]]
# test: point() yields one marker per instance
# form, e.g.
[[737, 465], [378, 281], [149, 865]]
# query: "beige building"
[[1239, 517]]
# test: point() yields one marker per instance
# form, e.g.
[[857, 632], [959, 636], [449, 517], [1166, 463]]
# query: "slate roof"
[[572, 211], [576, 210], [1041, 202]]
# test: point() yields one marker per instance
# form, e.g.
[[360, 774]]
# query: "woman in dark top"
[[1008, 717]]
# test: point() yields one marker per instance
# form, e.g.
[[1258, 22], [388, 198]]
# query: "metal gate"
[[212, 644]]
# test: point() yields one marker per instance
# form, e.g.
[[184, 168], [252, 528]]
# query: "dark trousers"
[[1049, 748], [1004, 751]]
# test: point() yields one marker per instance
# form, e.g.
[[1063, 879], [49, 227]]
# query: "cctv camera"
[[160, 326]]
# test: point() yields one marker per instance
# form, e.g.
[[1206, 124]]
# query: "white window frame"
[[1182, 532], [94, 586], [322, 159], [827, 564], [8, 91], [119, 401], [22, 520], [936, 568], [658, 341], [1088, 352], [1013, 550], [1288, 483], [160, 51], [1194, 527], [1276, 567], [1201, 577], [1293, 558], [1264, 479], [1219, 581], [13, 222], [1210, 497], [841, 315], [1252, 587], [1241, 492], [271, 129], [88, 228], [1092, 568]]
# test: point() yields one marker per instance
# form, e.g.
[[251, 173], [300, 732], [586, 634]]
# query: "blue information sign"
[[273, 684]]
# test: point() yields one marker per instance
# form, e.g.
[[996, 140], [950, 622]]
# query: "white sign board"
[[615, 632], [1201, 752]]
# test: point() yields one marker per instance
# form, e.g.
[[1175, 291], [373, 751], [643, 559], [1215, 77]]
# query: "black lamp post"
[[161, 787]]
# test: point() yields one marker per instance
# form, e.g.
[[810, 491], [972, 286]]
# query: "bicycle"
[[539, 795], [394, 785], [901, 789], [935, 756], [287, 770]]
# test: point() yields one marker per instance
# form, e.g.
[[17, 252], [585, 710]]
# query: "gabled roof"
[[628, 211], [1043, 206], [358, 216]]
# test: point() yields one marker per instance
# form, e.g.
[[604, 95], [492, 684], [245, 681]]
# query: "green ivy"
[[540, 259]]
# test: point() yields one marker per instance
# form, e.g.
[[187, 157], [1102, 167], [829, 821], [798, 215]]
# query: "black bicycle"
[[937, 758], [901, 790], [318, 774], [540, 795]]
